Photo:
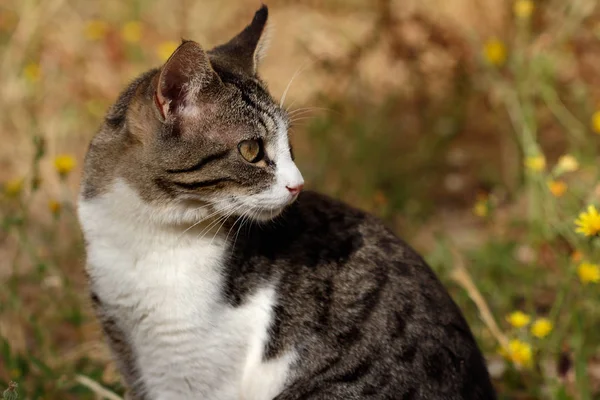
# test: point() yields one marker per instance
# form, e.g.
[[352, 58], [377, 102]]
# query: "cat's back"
[[359, 304]]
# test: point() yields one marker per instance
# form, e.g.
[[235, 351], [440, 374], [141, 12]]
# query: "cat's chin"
[[266, 215]]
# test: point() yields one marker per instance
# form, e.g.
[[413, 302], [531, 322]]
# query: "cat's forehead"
[[238, 114], [242, 109]]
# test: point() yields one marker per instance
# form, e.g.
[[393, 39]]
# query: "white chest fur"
[[165, 290]]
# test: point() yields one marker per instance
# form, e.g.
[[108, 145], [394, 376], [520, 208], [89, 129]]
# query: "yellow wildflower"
[[518, 352], [32, 72], [588, 222], [165, 49], [567, 163], [481, 209], [535, 163], [96, 29], [523, 8], [541, 327], [495, 52], [54, 207], [588, 273], [64, 164], [132, 32], [557, 188], [596, 122], [13, 187], [518, 319]]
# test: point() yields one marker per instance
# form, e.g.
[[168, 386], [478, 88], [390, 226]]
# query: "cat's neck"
[[119, 218]]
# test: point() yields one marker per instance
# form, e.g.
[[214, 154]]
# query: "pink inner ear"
[[161, 104]]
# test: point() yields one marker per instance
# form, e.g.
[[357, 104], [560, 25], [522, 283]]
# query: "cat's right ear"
[[182, 79]]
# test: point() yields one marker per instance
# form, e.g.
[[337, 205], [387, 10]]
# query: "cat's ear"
[[182, 79], [245, 51]]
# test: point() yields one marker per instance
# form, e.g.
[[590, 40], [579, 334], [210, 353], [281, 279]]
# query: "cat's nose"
[[294, 190]]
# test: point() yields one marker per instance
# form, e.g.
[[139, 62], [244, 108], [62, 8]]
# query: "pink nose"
[[294, 190]]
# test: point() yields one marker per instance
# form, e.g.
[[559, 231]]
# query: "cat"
[[215, 276]]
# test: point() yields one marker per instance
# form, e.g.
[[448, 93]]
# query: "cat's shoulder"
[[317, 220], [311, 202], [344, 219]]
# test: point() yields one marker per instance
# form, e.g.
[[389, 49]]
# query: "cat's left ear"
[[245, 51]]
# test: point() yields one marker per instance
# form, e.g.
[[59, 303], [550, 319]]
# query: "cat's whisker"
[[226, 214], [199, 222], [288, 108], [244, 220], [240, 207], [302, 114], [299, 111], [223, 223], [213, 223], [295, 121], [232, 226], [241, 217], [309, 109], [211, 204], [299, 119], [299, 71]]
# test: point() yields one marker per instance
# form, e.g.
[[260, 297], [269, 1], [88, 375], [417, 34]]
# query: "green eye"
[[251, 150]]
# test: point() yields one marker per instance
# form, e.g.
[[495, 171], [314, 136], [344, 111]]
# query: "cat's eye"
[[252, 150]]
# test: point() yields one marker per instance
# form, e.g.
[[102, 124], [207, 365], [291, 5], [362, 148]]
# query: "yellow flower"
[[588, 273], [541, 327], [557, 188], [567, 163], [536, 163], [64, 164], [481, 208], [32, 72], [518, 352], [596, 122], [165, 49], [54, 207], [13, 187], [132, 32], [523, 8], [96, 29], [518, 319], [588, 222], [495, 52]]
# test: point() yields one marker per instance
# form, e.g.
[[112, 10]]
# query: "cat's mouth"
[[253, 208], [265, 213], [268, 214]]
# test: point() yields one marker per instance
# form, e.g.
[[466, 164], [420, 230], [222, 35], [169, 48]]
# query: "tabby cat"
[[213, 275]]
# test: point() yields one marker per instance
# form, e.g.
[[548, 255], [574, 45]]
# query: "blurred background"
[[470, 126]]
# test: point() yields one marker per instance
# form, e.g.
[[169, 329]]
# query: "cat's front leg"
[[121, 350]]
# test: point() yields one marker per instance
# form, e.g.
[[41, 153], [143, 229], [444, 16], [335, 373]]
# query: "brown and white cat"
[[215, 278]]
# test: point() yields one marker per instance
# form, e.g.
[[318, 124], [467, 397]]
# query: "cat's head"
[[200, 133]]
